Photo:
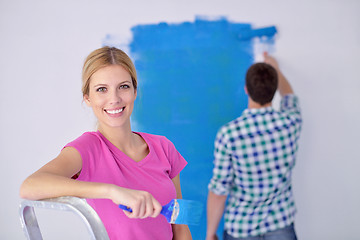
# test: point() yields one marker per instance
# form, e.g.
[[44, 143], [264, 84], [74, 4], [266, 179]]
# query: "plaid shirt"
[[254, 156]]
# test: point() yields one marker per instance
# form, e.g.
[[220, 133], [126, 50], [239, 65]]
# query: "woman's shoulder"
[[162, 144], [87, 138], [157, 139]]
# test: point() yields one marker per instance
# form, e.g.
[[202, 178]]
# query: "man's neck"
[[255, 105]]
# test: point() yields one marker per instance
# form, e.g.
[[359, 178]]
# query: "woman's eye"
[[125, 86], [101, 89]]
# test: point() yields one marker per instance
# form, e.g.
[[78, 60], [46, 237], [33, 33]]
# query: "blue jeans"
[[286, 233]]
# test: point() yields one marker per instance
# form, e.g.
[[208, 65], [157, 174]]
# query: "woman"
[[115, 165]]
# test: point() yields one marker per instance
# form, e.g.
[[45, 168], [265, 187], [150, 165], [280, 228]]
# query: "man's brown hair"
[[261, 83]]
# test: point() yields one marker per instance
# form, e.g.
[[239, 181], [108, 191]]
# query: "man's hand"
[[271, 61], [284, 86], [214, 237]]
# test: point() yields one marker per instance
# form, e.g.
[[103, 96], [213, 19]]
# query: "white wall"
[[43, 45]]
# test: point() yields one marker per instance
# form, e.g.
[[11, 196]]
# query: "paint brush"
[[179, 211]]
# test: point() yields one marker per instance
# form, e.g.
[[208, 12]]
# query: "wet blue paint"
[[191, 82]]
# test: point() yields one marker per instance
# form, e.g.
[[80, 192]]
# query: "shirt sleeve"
[[85, 145], [177, 161], [222, 178], [290, 104]]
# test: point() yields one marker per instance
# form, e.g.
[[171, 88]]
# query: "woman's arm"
[[180, 231], [54, 180]]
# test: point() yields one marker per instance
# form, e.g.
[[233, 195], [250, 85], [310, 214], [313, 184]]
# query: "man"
[[254, 158]]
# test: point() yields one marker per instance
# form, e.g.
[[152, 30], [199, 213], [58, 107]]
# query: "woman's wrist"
[[110, 190]]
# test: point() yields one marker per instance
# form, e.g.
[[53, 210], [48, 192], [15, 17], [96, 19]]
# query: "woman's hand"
[[142, 203]]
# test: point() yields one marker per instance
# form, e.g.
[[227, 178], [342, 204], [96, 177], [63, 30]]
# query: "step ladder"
[[76, 205]]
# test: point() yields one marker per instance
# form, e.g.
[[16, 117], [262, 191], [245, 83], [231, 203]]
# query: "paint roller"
[[263, 41], [260, 32]]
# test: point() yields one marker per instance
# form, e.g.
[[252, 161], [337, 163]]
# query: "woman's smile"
[[114, 111]]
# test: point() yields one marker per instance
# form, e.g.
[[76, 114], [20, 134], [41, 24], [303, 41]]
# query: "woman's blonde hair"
[[104, 57]]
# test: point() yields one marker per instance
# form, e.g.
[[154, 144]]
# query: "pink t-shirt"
[[103, 162]]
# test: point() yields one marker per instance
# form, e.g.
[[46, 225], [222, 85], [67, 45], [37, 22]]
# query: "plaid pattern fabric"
[[254, 156]]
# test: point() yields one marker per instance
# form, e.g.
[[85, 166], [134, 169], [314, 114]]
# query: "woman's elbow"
[[26, 190]]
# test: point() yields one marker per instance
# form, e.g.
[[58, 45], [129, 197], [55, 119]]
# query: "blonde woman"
[[115, 165]]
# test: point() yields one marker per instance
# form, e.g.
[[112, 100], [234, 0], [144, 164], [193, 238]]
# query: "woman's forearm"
[[43, 185]]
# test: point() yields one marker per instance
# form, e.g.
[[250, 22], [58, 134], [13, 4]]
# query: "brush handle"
[[164, 210], [123, 207], [126, 208]]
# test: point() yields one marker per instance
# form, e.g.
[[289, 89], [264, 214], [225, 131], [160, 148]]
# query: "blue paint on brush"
[[183, 211], [191, 81]]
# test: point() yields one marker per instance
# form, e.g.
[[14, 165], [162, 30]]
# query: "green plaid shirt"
[[254, 156]]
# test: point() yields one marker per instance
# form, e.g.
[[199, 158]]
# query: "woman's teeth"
[[115, 111]]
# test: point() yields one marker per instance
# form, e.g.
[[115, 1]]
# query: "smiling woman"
[[115, 165], [111, 95]]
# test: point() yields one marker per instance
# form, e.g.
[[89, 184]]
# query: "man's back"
[[254, 155]]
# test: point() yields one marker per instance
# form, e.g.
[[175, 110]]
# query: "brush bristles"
[[189, 212], [167, 210]]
